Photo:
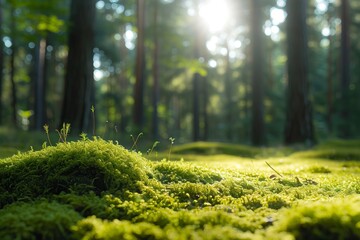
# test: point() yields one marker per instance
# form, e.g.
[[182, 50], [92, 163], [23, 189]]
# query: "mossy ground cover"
[[99, 190]]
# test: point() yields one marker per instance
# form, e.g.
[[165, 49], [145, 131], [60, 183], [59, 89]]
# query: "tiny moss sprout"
[[46, 128], [64, 132], [135, 141], [172, 141], [149, 151], [93, 119]]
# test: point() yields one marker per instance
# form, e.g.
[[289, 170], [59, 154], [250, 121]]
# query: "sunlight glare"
[[216, 14], [325, 32], [212, 63], [98, 75], [277, 15]]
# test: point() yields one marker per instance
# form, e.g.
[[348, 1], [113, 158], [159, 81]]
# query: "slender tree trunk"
[[299, 125], [205, 110], [345, 70], [197, 77], [140, 67], [40, 85], [123, 82], [79, 80], [229, 96], [257, 53], [1, 62], [155, 118], [196, 107], [329, 94], [12, 69]]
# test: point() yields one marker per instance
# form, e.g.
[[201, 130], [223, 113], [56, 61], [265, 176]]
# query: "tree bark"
[[196, 89], [1, 62], [139, 67], [229, 128], [40, 85], [257, 54], [330, 73], [79, 80], [155, 117], [345, 70], [299, 123], [12, 69]]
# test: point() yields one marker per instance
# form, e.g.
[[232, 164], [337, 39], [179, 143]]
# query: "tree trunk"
[[229, 128], [12, 69], [40, 85], [196, 107], [329, 94], [125, 114], [257, 54], [79, 80], [198, 46], [345, 70], [155, 117], [1, 62], [299, 124], [205, 116], [139, 67]]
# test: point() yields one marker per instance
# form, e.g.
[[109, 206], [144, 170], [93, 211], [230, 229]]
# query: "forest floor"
[[97, 189]]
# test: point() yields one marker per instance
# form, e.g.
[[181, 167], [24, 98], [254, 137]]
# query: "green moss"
[[344, 154], [208, 148], [37, 220], [276, 202], [93, 228], [79, 167], [122, 195], [318, 169], [184, 172], [335, 219]]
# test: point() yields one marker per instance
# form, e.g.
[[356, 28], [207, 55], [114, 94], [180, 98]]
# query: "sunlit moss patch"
[[77, 167], [99, 190]]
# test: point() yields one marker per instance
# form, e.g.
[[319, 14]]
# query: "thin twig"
[[273, 169]]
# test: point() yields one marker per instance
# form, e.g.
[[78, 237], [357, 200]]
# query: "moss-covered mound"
[[99, 190], [77, 167], [211, 148], [37, 220], [338, 219]]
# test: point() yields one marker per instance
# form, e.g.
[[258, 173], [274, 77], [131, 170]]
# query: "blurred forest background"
[[259, 72]]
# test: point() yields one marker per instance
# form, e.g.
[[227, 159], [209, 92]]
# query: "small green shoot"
[[93, 118], [64, 132], [152, 148], [46, 128], [172, 140], [84, 136], [135, 141]]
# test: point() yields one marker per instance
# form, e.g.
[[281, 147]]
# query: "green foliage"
[[37, 220], [49, 23]]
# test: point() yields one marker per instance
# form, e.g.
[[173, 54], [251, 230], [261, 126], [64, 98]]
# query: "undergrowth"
[[97, 189]]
